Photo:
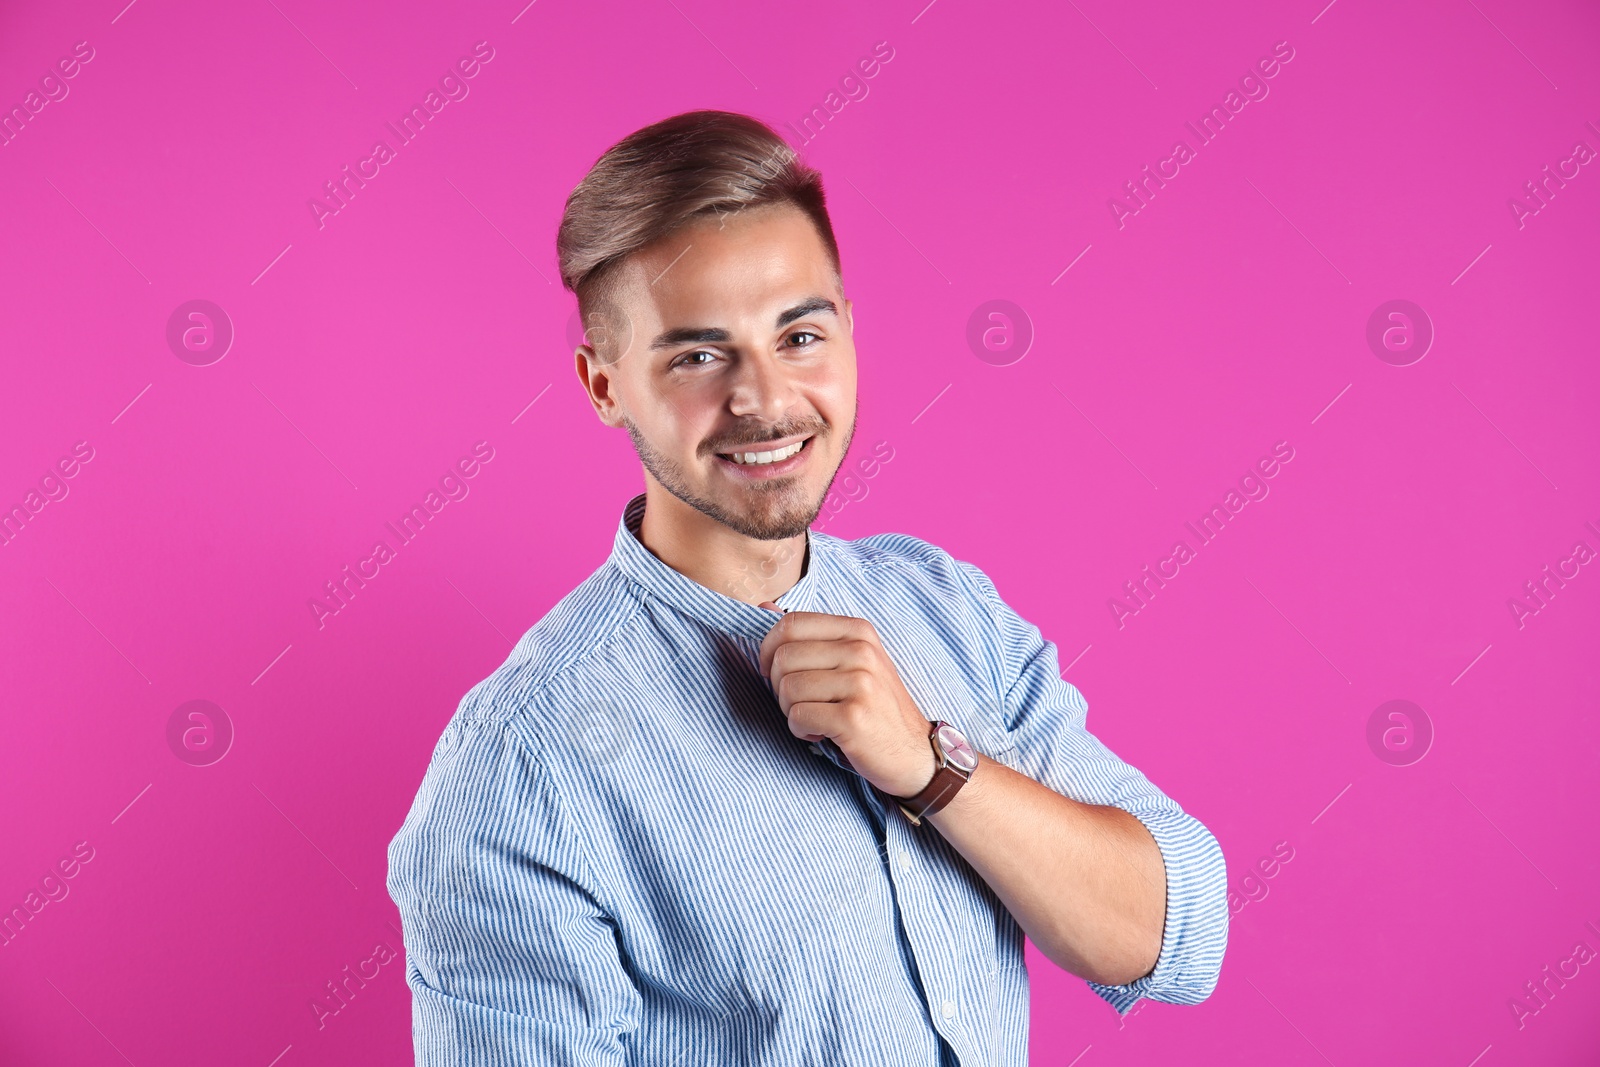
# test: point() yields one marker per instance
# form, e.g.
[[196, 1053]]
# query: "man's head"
[[716, 327]]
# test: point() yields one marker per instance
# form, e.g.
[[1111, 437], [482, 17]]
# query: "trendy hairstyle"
[[669, 174]]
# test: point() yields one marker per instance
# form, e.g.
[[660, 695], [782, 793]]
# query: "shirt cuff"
[[1195, 933]]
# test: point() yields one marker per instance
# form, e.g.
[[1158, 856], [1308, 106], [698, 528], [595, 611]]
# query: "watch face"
[[956, 749]]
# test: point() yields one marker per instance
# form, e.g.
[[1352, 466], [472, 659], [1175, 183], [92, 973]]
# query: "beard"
[[766, 511]]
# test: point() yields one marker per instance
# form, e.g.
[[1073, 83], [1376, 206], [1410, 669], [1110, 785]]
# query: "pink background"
[[1228, 314]]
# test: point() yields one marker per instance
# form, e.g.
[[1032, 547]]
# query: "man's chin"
[[767, 517], [768, 513]]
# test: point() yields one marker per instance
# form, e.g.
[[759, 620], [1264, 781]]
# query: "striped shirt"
[[620, 854]]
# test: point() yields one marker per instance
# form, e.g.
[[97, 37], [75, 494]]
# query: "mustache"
[[815, 430]]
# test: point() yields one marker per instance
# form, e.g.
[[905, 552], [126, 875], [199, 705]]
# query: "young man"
[[754, 794]]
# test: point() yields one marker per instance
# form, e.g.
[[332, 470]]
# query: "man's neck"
[[718, 557]]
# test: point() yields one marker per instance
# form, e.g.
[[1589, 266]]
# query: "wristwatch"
[[956, 761]]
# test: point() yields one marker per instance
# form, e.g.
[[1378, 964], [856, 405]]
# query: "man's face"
[[734, 341]]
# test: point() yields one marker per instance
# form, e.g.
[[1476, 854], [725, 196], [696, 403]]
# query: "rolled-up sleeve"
[[509, 957], [1045, 718]]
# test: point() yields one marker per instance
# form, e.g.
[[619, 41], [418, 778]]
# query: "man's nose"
[[763, 388]]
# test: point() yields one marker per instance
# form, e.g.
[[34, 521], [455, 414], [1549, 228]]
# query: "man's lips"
[[767, 470], [764, 446]]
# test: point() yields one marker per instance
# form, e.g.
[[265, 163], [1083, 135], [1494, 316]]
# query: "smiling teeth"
[[751, 458]]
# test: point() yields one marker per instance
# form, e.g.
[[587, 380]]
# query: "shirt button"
[[905, 857], [949, 1009]]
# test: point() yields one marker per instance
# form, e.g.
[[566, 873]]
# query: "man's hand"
[[1086, 882], [833, 679]]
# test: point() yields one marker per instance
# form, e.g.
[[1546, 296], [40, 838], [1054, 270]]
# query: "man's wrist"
[[931, 761], [953, 759], [923, 778]]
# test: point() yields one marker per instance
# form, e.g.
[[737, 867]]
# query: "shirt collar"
[[709, 606]]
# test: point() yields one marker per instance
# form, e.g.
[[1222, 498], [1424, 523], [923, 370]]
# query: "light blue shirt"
[[620, 854]]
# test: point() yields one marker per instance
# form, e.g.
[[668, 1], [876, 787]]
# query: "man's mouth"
[[765, 453], [769, 457]]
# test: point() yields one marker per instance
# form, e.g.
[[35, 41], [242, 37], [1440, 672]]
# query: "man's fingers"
[[811, 626], [826, 685], [790, 656], [812, 720]]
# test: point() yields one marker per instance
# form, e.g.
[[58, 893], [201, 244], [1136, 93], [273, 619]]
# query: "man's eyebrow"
[[689, 335], [698, 335], [811, 306]]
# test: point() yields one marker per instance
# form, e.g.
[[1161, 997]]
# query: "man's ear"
[[598, 384]]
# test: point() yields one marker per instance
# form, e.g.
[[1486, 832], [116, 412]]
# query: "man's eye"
[[804, 333], [690, 356]]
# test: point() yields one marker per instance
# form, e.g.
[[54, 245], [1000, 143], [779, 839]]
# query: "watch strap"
[[940, 791], [947, 781]]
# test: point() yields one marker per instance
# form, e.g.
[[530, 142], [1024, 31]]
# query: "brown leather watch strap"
[[939, 792]]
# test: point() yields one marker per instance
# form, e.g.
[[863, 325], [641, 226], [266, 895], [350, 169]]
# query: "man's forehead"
[[743, 268], [743, 306]]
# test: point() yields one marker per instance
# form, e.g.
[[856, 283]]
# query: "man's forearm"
[[1085, 882]]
